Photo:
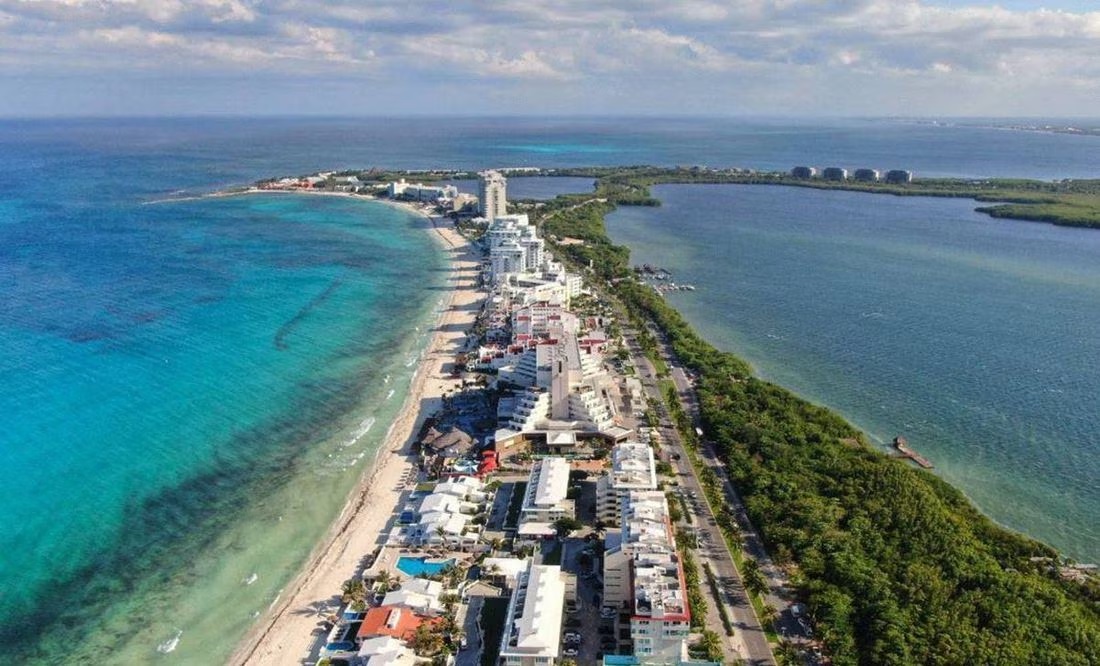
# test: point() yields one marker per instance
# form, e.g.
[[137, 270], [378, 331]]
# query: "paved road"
[[749, 641], [778, 595]]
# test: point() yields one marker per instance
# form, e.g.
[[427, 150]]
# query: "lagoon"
[[975, 338]]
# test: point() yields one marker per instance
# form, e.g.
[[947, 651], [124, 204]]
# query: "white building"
[[468, 488], [492, 194], [540, 319], [514, 246], [385, 651], [545, 499], [421, 192], [643, 576], [532, 630], [417, 594], [632, 468]]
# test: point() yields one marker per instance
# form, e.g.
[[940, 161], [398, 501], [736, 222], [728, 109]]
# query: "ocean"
[[190, 388]]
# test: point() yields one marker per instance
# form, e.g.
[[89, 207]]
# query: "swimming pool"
[[420, 566]]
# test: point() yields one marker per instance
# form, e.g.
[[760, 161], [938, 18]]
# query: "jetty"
[[904, 451]]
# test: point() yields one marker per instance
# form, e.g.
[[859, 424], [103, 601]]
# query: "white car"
[[572, 636], [569, 652]]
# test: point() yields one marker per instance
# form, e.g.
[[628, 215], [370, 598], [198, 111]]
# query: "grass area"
[[515, 503], [493, 612]]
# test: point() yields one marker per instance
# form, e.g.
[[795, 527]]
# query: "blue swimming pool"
[[420, 566]]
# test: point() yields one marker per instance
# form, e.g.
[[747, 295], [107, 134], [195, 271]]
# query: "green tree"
[[753, 577], [565, 525], [711, 643]]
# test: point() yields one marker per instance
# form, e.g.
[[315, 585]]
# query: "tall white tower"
[[492, 194]]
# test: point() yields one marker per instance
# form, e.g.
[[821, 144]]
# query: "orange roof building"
[[395, 621]]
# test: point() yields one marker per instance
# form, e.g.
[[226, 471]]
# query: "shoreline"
[[283, 636]]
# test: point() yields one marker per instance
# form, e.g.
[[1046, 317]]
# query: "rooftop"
[[535, 613], [549, 483], [401, 623], [633, 466]]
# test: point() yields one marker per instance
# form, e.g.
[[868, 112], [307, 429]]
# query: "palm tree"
[[787, 653], [383, 579], [770, 614], [754, 579], [353, 591], [712, 644]]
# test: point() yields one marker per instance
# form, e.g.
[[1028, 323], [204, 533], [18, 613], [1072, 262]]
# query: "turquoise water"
[[181, 361], [420, 566], [975, 338]]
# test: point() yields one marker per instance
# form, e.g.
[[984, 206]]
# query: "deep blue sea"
[[190, 387]]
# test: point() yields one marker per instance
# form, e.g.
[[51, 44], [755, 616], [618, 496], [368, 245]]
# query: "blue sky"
[[710, 57]]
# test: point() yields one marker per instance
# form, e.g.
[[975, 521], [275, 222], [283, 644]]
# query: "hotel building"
[[532, 629], [492, 194], [632, 468]]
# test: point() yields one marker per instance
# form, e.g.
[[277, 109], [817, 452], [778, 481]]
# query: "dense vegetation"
[[896, 566]]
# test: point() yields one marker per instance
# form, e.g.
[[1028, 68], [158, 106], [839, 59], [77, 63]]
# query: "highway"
[[749, 641]]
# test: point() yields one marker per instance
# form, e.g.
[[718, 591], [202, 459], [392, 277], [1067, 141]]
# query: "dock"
[[904, 451]]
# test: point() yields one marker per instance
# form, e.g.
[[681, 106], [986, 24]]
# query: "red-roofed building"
[[395, 621]]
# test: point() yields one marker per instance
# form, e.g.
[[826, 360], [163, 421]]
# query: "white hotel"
[[492, 194], [545, 499], [632, 468], [532, 631]]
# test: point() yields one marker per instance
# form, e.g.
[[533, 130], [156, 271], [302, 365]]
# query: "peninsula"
[[1074, 203], [596, 464]]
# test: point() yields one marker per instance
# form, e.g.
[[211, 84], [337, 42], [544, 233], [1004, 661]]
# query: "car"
[[570, 652], [572, 636]]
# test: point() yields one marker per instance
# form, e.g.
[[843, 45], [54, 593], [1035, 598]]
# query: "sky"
[[831, 58]]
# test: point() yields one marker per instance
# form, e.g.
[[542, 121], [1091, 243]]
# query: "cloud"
[[616, 51]]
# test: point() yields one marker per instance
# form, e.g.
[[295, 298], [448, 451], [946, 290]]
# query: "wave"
[[171, 644], [364, 427]]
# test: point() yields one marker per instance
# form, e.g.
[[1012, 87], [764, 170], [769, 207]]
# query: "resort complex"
[[532, 526]]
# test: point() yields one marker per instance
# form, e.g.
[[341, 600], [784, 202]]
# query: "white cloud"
[[586, 49]]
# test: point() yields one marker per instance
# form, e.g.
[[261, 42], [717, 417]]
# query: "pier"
[[904, 451]]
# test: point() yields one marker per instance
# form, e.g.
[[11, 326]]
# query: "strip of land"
[[1067, 202]]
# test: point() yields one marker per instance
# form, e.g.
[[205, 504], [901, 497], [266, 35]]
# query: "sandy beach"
[[288, 632]]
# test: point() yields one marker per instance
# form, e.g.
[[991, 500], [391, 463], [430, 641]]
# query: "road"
[[778, 595], [749, 641]]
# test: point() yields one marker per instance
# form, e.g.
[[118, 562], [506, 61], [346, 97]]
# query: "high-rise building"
[[492, 194]]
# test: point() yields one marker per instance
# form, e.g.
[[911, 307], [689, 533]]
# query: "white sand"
[[284, 635]]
